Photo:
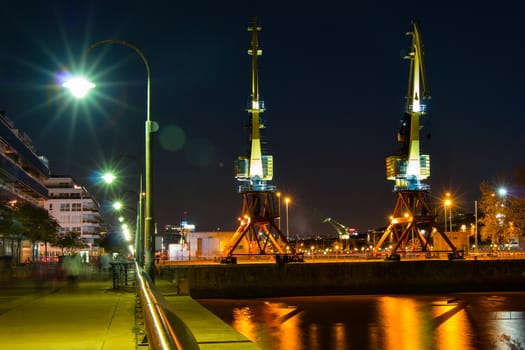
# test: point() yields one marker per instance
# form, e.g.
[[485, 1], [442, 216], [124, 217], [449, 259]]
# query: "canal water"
[[379, 322]]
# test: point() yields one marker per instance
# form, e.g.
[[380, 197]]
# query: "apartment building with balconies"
[[75, 210]]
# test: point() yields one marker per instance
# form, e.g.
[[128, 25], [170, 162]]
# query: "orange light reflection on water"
[[452, 327], [243, 322], [313, 336], [401, 325], [339, 335], [471, 321], [271, 326]]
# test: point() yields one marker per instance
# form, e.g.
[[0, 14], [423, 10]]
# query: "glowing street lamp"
[[118, 205], [79, 87], [108, 178], [447, 202], [139, 245], [125, 231]]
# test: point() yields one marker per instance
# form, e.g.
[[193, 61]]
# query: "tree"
[[35, 224], [503, 215], [69, 240], [112, 241], [6, 220]]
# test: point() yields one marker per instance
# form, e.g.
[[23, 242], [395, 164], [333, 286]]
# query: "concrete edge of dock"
[[209, 330]]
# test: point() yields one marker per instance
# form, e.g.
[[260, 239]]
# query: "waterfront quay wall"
[[377, 277]]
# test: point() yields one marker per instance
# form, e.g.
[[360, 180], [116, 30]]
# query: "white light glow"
[[78, 86]]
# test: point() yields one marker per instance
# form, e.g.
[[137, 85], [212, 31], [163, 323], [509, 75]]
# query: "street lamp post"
[[287, 201], [450, 216], [279, 208], [150, 128], [447, 202], [445, 209], [139, 244], [109, 177], [476, 224]]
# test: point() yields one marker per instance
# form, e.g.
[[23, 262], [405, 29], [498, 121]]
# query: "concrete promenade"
[[47, 315], [43, 313]]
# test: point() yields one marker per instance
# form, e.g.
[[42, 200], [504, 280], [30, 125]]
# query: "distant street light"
[[79, 88], [117, 205], [108, 178]]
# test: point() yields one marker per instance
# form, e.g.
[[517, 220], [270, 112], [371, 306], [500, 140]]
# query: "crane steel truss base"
[[257, 226], [412, 222]]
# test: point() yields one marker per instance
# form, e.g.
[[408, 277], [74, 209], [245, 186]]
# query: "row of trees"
[[24, 221]]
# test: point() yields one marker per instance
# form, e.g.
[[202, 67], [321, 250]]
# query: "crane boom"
[[255, 169], [341, 229], [409, 168]]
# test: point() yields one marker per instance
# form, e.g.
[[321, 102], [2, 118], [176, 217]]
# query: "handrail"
[[165, 330]]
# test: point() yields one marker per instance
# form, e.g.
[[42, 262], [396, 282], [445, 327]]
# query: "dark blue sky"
[[332, 77]]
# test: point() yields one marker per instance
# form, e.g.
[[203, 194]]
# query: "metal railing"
[[164, 329]]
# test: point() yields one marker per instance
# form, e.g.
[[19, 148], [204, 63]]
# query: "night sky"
[[332, 77]]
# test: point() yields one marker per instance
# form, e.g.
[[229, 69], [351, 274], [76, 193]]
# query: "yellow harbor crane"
[[413, 221], [254, 171]]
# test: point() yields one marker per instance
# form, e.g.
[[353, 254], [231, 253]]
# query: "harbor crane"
[[345, 233], [341, 229], [254, 171], [413, 222]]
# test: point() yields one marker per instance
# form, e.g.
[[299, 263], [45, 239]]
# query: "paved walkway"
[[50, 316], [45, 314]]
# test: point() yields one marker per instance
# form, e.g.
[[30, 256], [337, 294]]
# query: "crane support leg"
[[412, 220], [257, 225]]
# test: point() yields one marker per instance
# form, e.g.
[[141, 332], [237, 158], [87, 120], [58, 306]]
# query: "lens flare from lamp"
[[78, 86]]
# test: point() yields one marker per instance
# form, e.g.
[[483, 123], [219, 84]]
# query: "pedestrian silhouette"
[[72, 265]]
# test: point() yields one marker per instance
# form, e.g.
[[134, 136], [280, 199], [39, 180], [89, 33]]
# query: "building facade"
[[22, 176], [75, 210]]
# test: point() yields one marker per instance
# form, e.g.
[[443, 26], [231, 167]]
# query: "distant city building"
[[75, 210], [176, 234], [174, 241]]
